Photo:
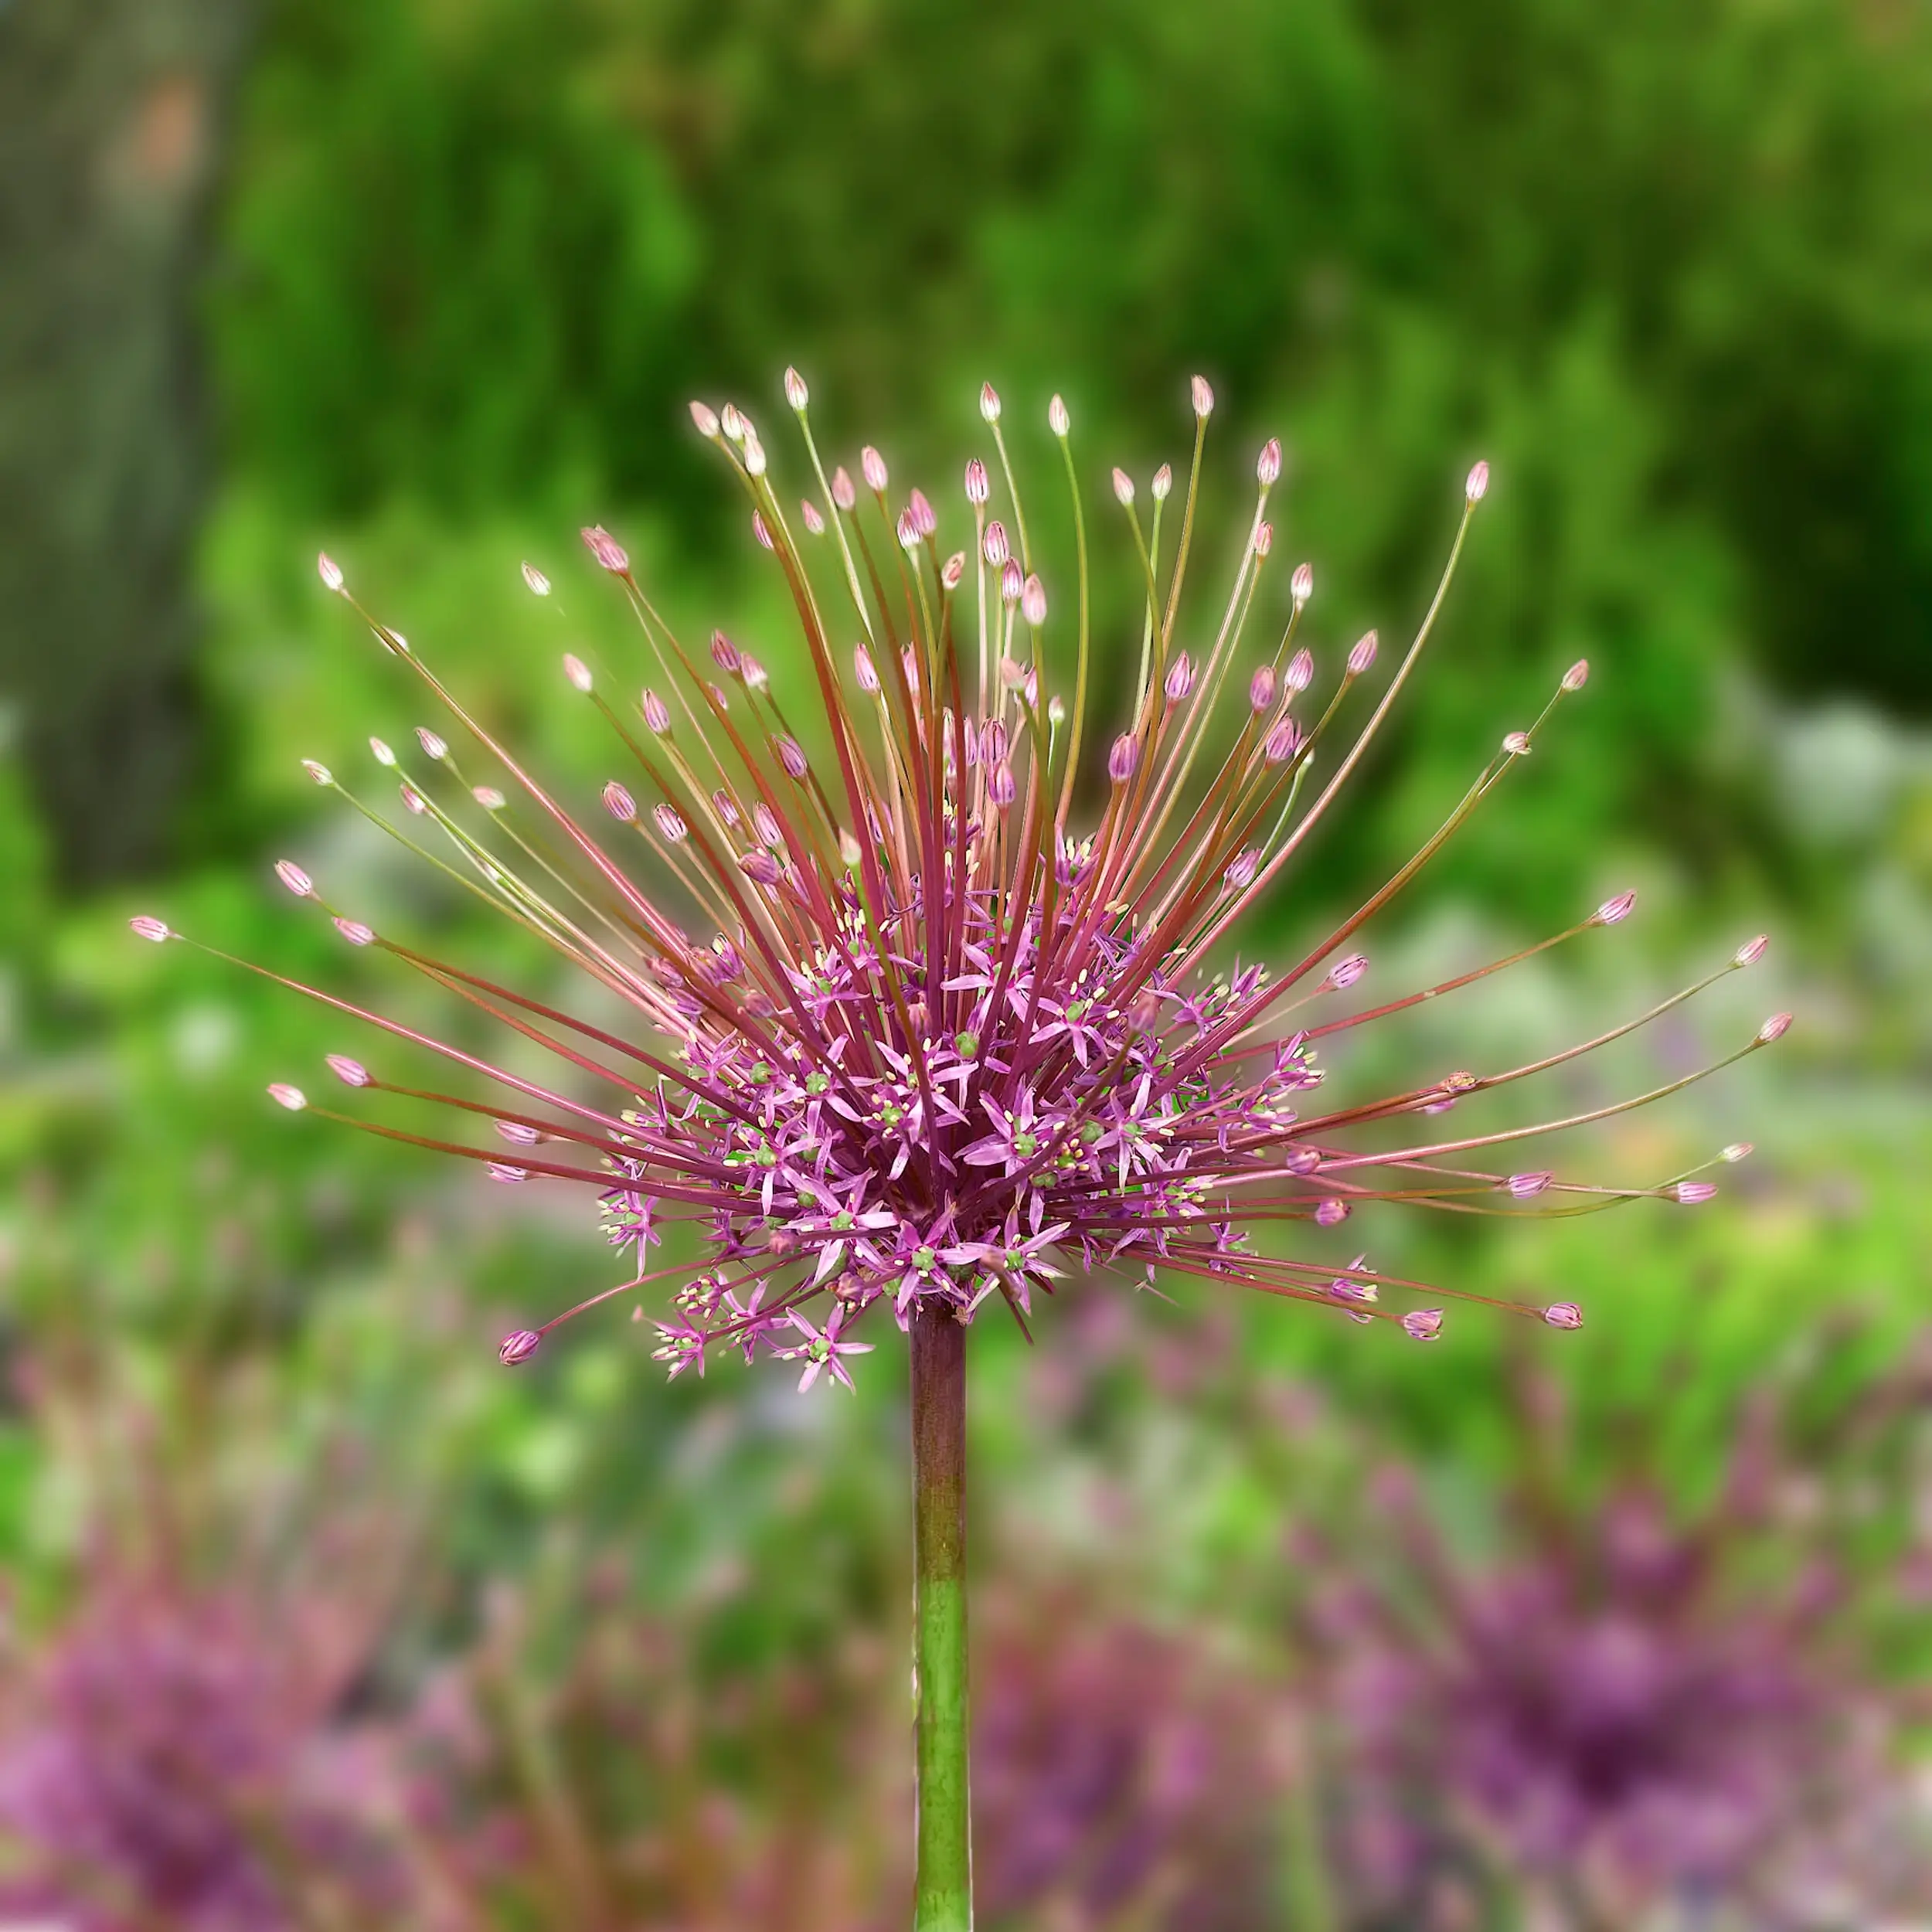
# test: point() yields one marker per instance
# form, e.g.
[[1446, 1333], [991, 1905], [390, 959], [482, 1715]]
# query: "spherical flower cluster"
[[932, 1000]]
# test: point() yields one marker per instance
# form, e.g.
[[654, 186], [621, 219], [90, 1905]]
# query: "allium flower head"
[[946, 826]]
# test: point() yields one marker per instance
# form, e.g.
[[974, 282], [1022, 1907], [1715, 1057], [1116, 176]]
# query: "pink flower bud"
[[489, 797], [925, 520], [1301, 585], [328, 570], [1526, 1187], [291, 1098], [146, 927], [355, 932], [517, 1133], [995, 547], [760, 531], [656, 713], [1345, 972], [808, 514], [1163, 485], [733, 422], [1775, 1027], [1301, 673], [989, 402], [1180, 678], [765, 823], [725, 806], [1282, 742], [724, 654], [1751, 951], [843, 495], [1692, 1192], [349, 1072], [1331, 1213], [796, 393], [993, 742], [1261, 689], [539, 584], [292, 875], [761, 867], [863, 667], [1011, 582], [1057, 418], [1362, 655], [706, 418], [605, 549], [791, 755], [1123, 487], [907, 529], [977, 488], [1001, 787], [434, 746], [1124, 758], [670, 823], [576, 671], [952, 570], [1203, 397], [1242, 867], [1422, 1325], [872, 465], [321, 773], [1737, 1151], [1613, 911], [414, 800], [1563, 1314], [1267, 465], [1033, 601], [619, 803], [381, 752], [1478, 485], [1516, 744], [524, 1342], [1577, 675]]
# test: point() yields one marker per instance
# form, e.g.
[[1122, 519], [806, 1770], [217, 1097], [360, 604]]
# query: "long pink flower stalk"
[[931, 1047]]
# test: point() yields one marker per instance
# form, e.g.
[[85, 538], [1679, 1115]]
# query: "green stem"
[[942, 1889]]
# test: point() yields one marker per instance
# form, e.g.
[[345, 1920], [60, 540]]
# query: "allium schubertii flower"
[[920, 1027]]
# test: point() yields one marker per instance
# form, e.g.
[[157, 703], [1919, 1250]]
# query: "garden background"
[[317, 1617]]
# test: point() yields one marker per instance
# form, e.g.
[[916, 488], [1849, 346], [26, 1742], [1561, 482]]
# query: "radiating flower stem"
[[942, 1888]]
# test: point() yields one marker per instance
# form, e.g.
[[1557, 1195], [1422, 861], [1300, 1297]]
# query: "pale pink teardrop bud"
[[796, 393], [1526, 1187], [1242, 867], [1123, 758], [433, 746], [1033, 600], [765, 823], [619, 803], [809, 514], [1057, 418], [952, 570], [907, 529], [1163, 484], [292, 875], [925, 519], [1301, 672], [874, 466], [1001, 787], [517, 1133], [706, 418], [291, 1098], [725, 806], [1692, 1192], [995, 545], [1615, 911], [754, 672], [489, 797], [328, 570], [988, 403], [1752, 950], [1422, 1325], [760, 531], [1267, 465], [320, 773], [754, 455], [724, 653], [670, 823], [146, 927], [1012, 583], [761, 867], [1055, 708], [1345, 972], [605, 549], [351, 1073], [1362, 655], [850, 851], [864, 668], [1737, 1151], [994, 741], [539, 584], [1516, 744], [1180, 678], [576, 671], [978, 487], [1261, 689], [1577, 675], [1203, 397], [355, 932], [1123, 487], [1282, 742], [1563, 1314], [843, 495], [733, 422], [381, 752], [524, 1342], [657, 714], [1478, 485], [1263, 538], [1301, 585], [414, 800], [791, 756], [1775, 1027]]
